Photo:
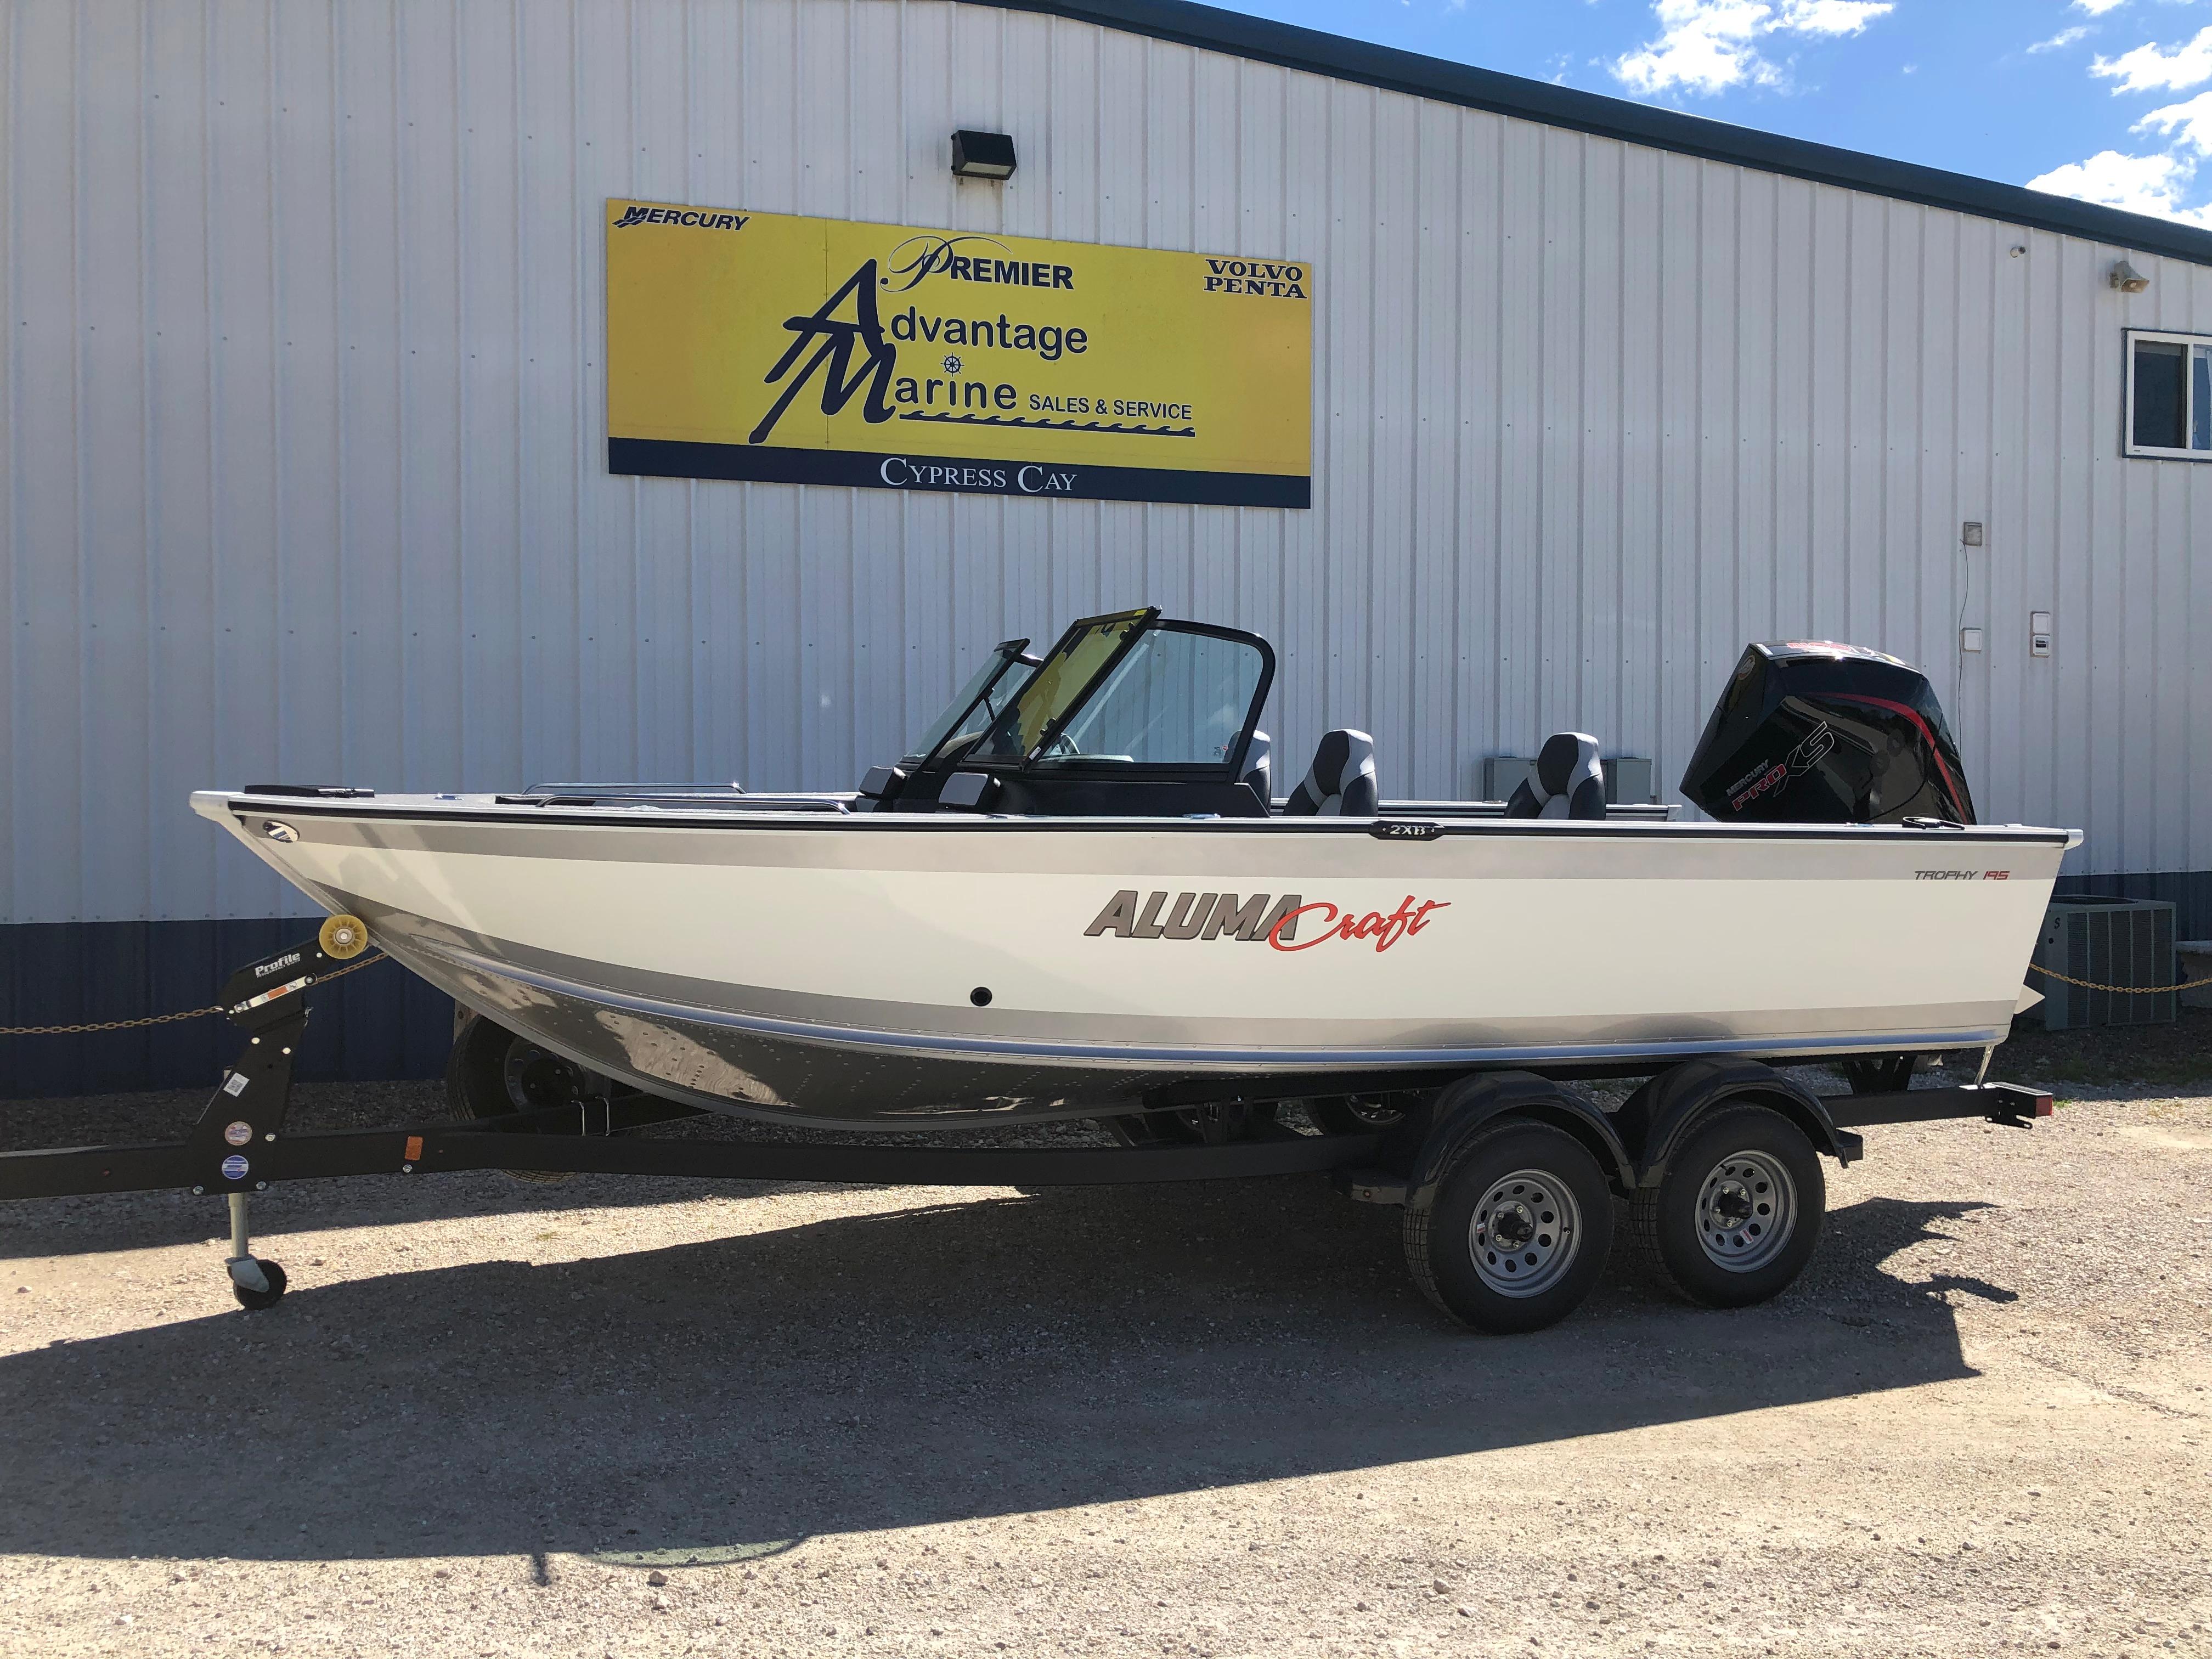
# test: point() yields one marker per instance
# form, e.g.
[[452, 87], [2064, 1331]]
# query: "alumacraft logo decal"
[[1222, 915]]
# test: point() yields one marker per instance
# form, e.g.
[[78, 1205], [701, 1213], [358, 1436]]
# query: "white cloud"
[[2192, 119], [1708, 45], [2139, 184], [1705, 46], [2064, 38], [2098, 8], [2146, 69], [1831, 16]]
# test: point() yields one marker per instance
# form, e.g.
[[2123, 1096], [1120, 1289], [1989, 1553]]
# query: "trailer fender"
[[1464, 1107], [1657, 1117]]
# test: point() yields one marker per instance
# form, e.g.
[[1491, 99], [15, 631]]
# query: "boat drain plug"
[[981, 996]]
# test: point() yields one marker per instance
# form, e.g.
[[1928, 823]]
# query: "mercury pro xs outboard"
[[1813, 732]]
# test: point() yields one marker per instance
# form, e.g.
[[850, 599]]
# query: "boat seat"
[[1568, 782], [1341, 783], [1259, 771]]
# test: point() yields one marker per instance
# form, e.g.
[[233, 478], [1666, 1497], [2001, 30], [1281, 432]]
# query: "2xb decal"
[[1129, 915]]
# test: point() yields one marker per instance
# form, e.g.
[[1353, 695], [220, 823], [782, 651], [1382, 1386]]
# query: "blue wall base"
[[381, 1023]]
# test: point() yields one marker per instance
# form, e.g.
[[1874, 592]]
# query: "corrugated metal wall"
[[305, 476]]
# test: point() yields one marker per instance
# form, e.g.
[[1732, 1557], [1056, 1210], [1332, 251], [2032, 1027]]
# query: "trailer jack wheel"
[[255, 1282]]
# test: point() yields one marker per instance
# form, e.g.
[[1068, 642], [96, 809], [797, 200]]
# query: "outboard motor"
[[1811, 732]]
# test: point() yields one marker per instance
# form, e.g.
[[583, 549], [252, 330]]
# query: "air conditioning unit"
[[2108, 941]]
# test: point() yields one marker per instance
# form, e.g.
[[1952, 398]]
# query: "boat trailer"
[[241, 1145]]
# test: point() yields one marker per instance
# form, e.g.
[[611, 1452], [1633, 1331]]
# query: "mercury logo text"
[[686, 216]]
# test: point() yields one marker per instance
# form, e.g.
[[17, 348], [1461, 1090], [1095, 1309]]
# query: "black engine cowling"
[[1817, 733]]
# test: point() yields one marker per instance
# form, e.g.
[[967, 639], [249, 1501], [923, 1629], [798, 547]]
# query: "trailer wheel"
[[1735, 1218], [1193, 1126], [1515, 1230], [1355, 1114], [1889, 1074], [491, 1072]]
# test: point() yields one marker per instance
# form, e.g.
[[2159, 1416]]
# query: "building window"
[[2169, 396]]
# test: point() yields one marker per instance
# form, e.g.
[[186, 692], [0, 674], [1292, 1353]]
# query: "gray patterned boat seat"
[[1341, 782], [1568, 782]]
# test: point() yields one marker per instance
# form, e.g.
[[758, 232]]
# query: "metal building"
[[307, 473]]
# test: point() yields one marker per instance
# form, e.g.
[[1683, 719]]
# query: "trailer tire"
[[1737, 1215], [479, 1084], [1355, 1114], [1529, 1182], [1193, 1125]]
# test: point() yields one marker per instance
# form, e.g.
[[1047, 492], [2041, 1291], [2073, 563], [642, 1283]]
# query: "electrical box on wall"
[[1969, 639], [2039, 633]]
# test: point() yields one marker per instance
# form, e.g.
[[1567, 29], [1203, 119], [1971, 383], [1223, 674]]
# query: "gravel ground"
[[644, 1417]]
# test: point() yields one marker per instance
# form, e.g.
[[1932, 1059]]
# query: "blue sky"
[[2110, 100]]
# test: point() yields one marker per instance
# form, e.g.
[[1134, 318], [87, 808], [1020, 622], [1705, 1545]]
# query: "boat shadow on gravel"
[[732, 1397]]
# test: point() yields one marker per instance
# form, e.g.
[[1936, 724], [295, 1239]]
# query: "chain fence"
[[2124, 990]]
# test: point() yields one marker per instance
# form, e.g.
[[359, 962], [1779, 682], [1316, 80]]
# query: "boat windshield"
[[979, 702], [1177, 699], [1057, 687], [1176, 695]]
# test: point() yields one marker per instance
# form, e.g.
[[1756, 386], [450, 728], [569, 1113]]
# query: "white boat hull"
[[872, 970]]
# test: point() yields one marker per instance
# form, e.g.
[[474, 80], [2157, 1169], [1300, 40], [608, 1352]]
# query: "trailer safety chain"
[[165, 1019], [2124, 990]]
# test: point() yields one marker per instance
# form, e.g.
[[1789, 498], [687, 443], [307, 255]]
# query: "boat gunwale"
[[648, 814]]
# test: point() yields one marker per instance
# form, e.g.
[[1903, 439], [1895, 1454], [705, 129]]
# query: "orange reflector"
[[2044, 1107], [414, 1149]]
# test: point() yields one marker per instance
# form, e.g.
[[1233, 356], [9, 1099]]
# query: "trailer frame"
[[241, 1145]]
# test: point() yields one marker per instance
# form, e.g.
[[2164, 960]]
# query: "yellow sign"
[[755, 345]]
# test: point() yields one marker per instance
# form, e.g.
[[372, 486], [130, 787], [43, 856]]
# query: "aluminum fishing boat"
[[1079, 895]]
